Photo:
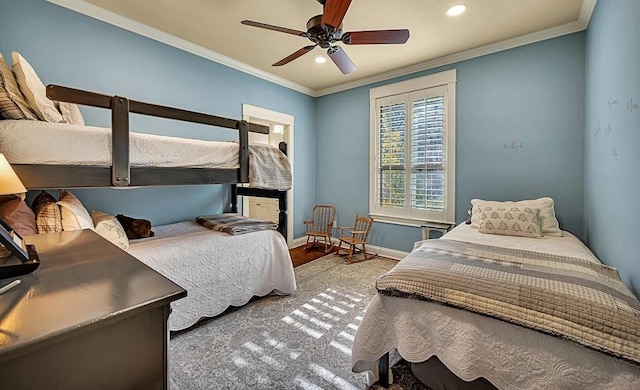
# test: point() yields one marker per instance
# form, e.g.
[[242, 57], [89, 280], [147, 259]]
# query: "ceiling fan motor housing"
[[324, 37]]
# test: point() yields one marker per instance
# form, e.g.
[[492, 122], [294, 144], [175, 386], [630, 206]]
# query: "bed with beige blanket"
[[523, 313]]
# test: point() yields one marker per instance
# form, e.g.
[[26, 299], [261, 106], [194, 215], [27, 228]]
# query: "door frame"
[[250, 112]]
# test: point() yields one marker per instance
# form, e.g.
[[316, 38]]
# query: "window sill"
[[413, 222]]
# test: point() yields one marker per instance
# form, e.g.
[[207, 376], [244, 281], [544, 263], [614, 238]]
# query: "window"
[[413, 150]]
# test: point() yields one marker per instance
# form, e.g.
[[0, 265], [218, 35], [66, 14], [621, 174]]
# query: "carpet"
[[302, 341]]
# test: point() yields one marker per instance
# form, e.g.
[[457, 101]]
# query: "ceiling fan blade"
[[341, 59], [334, 11], [375, 37], [295, 55], [274, 28]]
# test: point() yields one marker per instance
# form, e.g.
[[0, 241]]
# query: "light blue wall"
[[74, 50], [612, 137], [532, 94]]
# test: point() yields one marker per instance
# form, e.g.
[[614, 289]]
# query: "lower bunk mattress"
[[217, 270], [473, 346]]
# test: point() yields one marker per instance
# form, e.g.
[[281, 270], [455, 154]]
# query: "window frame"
[[409, 88]]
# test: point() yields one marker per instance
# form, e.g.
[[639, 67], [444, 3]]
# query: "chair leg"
[[367, 256], [351, 252], [307, 246], [339, 248], [328, 246]]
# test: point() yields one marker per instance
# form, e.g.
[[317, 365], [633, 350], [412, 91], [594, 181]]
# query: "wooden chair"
[[321, 225], [356, 235]]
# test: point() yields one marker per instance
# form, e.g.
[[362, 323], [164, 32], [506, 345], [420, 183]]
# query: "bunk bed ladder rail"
[[121, 107]]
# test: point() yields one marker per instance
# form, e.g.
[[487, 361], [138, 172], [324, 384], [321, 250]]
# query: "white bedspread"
[[217, 270], [36, 142], [473, 346]]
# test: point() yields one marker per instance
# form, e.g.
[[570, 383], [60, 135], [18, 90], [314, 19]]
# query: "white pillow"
[[71, 113], [74, 215], [34, 91], [12, 103], [510, 221], [548, 221], [110, 228]]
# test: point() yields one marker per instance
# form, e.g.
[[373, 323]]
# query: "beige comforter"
[[567, 297]]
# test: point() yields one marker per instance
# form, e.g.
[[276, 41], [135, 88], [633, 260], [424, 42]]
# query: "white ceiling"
[[212, 29]]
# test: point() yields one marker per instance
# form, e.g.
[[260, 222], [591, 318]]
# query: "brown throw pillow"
[[135, 227], [48, 216], [18, 215]]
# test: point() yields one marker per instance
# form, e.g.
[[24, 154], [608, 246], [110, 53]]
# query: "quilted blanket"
[[269, 168], [235, 224], [566, 297]]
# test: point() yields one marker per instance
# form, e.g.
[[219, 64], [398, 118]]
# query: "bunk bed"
[[456, 339], [121, 173], [217, 270]]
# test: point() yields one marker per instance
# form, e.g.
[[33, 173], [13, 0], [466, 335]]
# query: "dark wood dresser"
[[90, 317]]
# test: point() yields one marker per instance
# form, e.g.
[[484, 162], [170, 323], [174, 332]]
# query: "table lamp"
[[9, 181], [10, 240]]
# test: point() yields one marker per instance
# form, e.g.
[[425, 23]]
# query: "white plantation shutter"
[[391, 175], [427, 153], [412, 140]]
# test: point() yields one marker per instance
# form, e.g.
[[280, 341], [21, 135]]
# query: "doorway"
[[280, 130]]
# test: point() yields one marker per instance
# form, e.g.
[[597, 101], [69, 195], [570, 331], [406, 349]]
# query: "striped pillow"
[[13, 105], [48, 216]]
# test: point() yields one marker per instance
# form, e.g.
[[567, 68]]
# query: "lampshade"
[[9, 181]]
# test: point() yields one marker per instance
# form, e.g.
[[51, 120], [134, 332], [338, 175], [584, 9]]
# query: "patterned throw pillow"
[[110, 228], [548, 221], [48, 217], [510, 221], [12, 104]]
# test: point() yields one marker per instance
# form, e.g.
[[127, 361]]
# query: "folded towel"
[[235, 224]]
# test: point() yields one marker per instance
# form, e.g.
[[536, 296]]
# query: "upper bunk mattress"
[[45, 143]]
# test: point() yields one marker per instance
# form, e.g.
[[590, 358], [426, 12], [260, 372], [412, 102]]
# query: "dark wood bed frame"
[[121, 174]]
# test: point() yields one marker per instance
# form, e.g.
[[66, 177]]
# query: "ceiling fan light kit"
[[326, 29]]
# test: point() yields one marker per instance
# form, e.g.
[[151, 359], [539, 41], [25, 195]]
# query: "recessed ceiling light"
[[456, 10], [320, 60]]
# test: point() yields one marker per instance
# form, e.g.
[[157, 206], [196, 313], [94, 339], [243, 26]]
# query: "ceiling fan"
[[326, 29]]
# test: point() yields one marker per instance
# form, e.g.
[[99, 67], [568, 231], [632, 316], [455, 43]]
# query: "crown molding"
[[112, 18], [83, 7], [569, 28]]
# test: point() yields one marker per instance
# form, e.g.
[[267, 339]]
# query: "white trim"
[[418, 83], [394, 254], [553, 32], [588, 6], [101, 14], [300, 241], [249, 111], [439, 84], [112, 18], [388, 252], [413, 222]]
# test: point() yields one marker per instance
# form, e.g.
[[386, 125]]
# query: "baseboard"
[[296, 242], [382, 251]]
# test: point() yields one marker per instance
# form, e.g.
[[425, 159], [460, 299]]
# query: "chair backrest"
[[323, 216], [362, 224]]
